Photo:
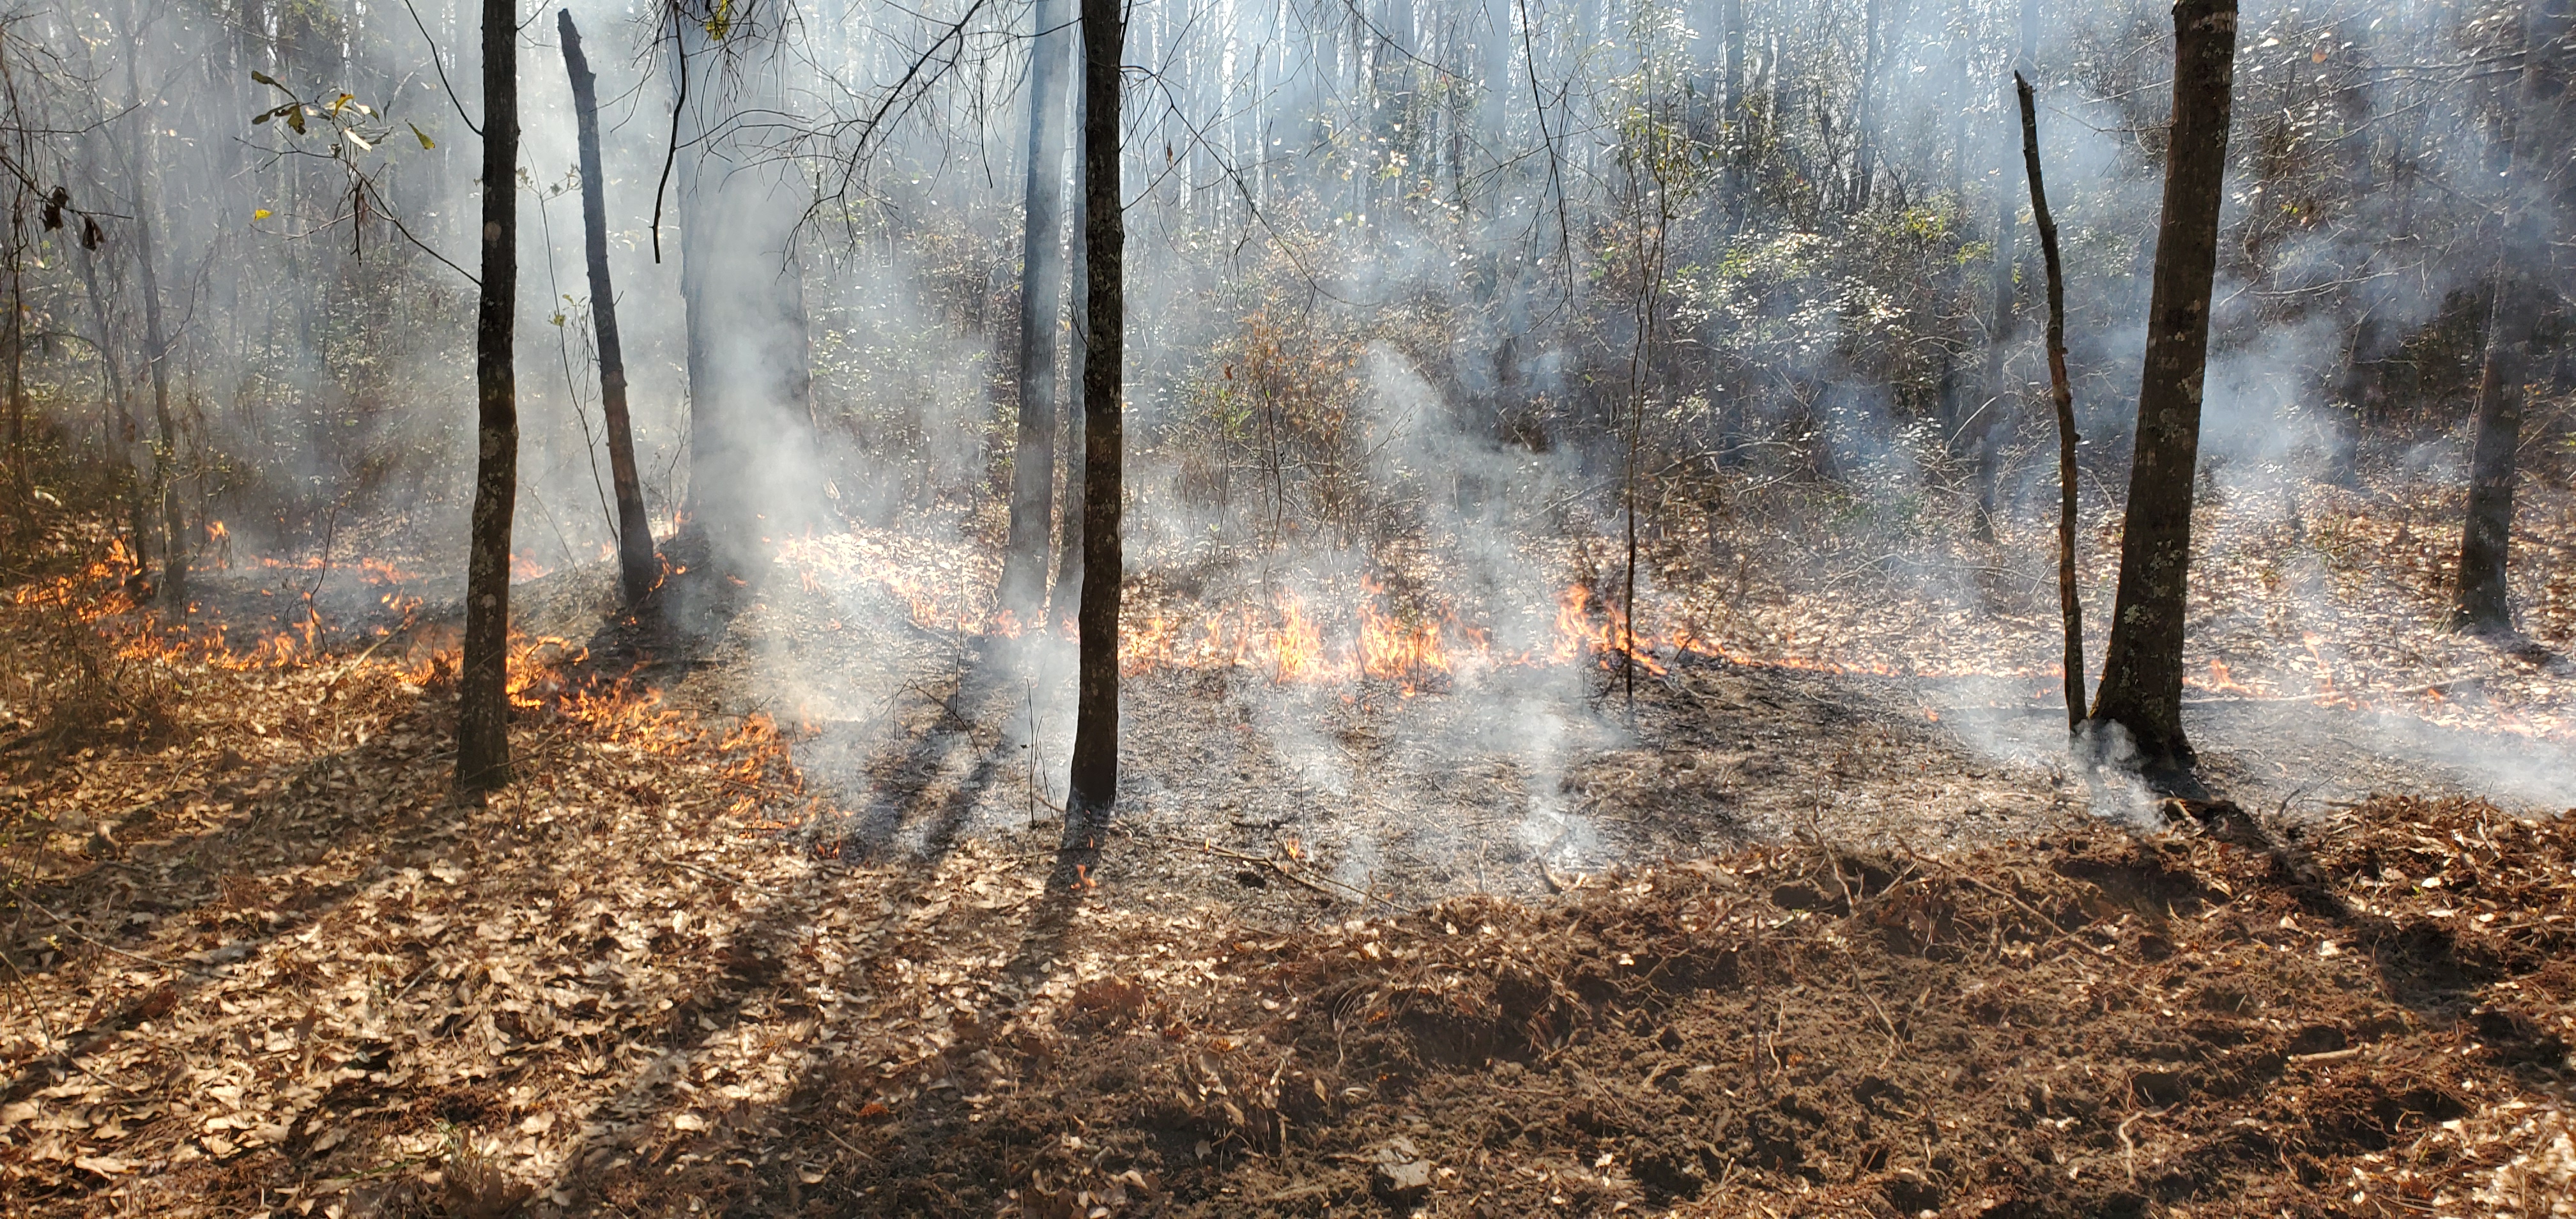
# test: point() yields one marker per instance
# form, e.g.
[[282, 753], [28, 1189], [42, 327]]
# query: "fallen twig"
[[1272, 862], [94, 942]]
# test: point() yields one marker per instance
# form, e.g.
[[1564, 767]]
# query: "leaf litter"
[[259, 963]]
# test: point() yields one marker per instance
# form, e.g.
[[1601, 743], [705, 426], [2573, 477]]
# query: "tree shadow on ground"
[[240, 880]]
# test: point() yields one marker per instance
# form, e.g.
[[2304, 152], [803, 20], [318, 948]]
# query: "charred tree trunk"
[[1094, 786], [1024, 558], [2142, 671], [2070, 604], [483, 699], [637, 569]]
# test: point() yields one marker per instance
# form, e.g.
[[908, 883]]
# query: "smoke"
[[1385, 351]]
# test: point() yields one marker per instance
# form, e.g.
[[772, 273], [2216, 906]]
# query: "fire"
[[2221, 680]]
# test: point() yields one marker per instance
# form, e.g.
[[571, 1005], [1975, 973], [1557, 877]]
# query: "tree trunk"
[[1024, 557], [2482, 602], [1065, 602], [483, 699], [2141, 688], [121, 426], [156, 359], [2070, 605], [754, 472], [1865, 116], [1094, 786], [1732, 142], [637, 569], [1984, 427], [22, 485]]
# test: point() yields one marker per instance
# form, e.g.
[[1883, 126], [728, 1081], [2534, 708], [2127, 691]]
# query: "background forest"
[[554, 671]]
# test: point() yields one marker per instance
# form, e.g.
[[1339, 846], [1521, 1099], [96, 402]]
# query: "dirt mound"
[[2082, 1027]]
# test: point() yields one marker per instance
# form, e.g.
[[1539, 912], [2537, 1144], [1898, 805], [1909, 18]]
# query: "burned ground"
[[1780, 940]]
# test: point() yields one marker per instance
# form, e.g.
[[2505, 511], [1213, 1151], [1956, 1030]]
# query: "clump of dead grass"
[[71, 688]]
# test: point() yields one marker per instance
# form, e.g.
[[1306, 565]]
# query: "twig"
[[2431, 687], [2026, 907], [1272, 862], [85, 937], [2129, 1150]]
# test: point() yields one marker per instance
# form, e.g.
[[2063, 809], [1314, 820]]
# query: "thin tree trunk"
[[2483, 602], [121, 425], [1093, 789], [1024, 557], [483, 699], [2141, 688], [21, 484], [1865, 117], [2070, 605], [1065, 602], [1733, 144], [637, 569], [1986, 426], [156, 364]]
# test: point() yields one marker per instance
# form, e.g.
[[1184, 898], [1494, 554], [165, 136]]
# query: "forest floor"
[[776, 920]]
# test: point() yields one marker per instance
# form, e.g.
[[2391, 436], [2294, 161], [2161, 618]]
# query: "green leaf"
[[423, 136], [295, 118], [266, 79]]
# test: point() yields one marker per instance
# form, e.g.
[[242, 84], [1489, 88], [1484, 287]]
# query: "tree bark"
[[1065, 602], [638, 570], [2141, 688], [1093, 789], [483, 699], [2483, 600], [1024, 557], [2070, 605], [165, 431]]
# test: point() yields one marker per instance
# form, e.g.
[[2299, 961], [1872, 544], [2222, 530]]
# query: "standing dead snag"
[[482, 688], [2070, 605], [1094, 781], [2142, 670], [636, 568]]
